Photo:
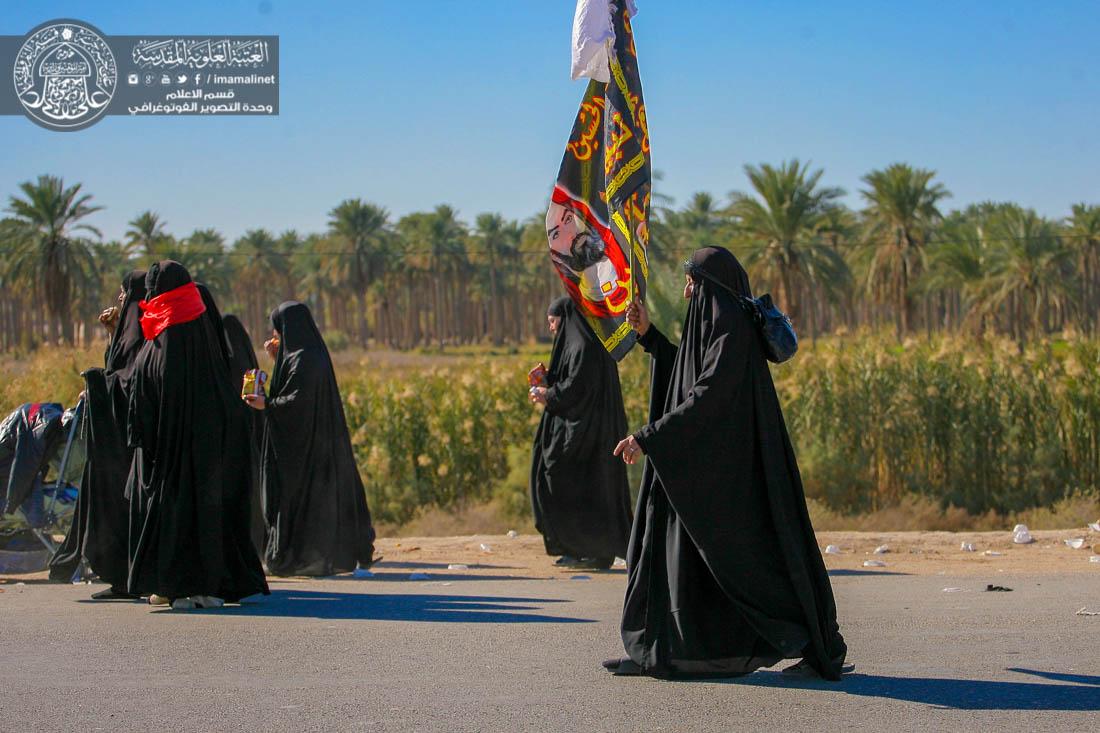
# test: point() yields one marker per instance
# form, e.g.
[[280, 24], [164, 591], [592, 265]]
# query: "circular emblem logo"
[[65, 75]]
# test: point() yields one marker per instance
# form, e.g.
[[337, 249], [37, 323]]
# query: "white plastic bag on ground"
[[832, 550], [882, 549], [1021, 535], [874, 564], [967, 547], [1076, 543]]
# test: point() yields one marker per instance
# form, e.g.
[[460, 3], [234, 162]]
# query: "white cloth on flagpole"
[[593, 34]]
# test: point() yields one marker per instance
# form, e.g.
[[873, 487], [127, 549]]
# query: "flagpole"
[[630, 244]]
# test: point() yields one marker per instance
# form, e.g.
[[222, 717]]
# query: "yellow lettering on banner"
[[639, 249], [612, 341], [627, 170], [620, 81], [617, 217]]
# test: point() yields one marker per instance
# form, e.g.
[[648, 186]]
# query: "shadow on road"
[[1081, 679], [949, 693], [291, 603], [386, 564], [434, 571], [453, 575]]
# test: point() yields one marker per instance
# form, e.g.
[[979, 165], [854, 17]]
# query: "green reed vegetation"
[[978, 431]]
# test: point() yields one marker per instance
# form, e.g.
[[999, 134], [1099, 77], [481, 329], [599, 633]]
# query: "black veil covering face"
[[215, 317], [579, 490], [242, 357], [189, 481], [316, 509], [100, 521], [724, 573]]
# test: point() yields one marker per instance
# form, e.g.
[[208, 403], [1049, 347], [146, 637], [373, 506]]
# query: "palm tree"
[[901, 217], [443, 240], [1029, 270], [307, 267], [496, 239], [288, 245], [957, 267], [203, 254], [780, 233], [146, 235], [678, 233], [360, 232], [260, 263], [1083, 236], [49, 255]]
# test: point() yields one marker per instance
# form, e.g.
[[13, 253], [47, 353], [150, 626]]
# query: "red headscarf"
[[179, 305]]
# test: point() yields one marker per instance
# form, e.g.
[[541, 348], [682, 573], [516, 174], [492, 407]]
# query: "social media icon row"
[[164, 79]]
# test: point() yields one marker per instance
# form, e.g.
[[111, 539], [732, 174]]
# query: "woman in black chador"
[[579, 491], [242, 357], [317, 517], [189, 482], [724, 573], [100, 523]]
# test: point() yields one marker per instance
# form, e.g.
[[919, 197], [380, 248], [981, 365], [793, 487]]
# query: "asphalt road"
[[461, 652]]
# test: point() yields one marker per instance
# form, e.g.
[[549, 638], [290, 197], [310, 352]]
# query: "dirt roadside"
[[912, 553]]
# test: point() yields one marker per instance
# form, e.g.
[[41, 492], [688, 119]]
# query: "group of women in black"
[[724, 575], [188, 485], [189, 491]]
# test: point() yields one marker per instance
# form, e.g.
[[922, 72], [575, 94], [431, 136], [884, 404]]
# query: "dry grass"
[[919, 514]]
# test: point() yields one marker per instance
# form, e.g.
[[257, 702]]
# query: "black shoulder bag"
[[776, 329]]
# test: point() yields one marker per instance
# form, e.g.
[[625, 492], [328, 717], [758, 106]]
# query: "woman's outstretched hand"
[[638, 317], [537, 395], [255, 401], [629, 449]]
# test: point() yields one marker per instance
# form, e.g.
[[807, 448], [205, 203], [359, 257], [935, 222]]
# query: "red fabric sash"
[[180, 305]]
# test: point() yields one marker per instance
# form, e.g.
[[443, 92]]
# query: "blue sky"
[[469, 102]]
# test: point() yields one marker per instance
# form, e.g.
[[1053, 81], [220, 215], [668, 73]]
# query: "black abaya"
[[189, 480], [242, 357], [579, 490], [100, 522], [724, 573], [214, 316], [316, 509]]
